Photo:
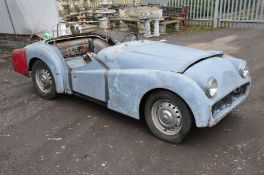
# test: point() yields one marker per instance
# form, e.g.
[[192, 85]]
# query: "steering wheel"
[[89, 56], [130, 37]]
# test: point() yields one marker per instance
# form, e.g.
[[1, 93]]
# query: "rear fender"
[[51, 56]]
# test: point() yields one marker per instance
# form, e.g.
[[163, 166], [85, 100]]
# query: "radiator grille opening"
[[229, 99]]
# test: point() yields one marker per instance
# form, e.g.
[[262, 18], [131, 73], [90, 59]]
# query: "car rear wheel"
[[43, 80], [167, 116]]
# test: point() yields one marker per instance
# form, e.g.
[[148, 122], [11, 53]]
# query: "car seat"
[[99, 45]]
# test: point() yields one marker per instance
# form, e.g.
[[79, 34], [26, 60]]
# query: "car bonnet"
[[153, 55]]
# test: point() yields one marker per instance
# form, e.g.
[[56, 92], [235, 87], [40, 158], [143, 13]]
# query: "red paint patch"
[[19, 61]]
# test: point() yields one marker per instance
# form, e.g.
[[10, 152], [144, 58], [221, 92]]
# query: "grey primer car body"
[[122, 74]]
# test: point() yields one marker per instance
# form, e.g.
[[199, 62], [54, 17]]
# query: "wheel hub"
[[43, 80], [166, 117]]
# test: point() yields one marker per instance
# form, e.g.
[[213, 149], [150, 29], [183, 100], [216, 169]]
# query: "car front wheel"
[[167, 116], [43, 80]]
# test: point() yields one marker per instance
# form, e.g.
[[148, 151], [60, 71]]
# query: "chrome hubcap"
[[44, 80], [166, 117]]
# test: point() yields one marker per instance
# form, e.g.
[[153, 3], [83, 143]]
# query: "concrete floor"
[[72, 136]]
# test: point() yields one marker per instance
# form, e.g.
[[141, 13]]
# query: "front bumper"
[[224, 106]]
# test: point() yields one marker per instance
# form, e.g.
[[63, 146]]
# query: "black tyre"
[[167, 116], [43, 80]]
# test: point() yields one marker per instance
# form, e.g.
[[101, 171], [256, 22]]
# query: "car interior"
[[81, 51]]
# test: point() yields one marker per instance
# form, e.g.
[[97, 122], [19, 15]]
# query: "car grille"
[[229, 99]]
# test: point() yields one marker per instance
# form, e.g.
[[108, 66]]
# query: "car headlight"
[[243, 70], [211, 87]]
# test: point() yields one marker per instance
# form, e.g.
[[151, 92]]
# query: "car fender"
[[128, 87], [51, 56]]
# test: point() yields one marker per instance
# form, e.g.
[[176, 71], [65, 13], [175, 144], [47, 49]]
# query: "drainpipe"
[[11, 19]]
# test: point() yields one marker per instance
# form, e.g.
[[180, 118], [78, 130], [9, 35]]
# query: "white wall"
[[29, 16]]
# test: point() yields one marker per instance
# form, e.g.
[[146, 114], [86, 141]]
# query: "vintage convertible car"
[[169, 86]]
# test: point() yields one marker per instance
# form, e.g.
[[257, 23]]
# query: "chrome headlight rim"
[[211, 87], [243, 70]]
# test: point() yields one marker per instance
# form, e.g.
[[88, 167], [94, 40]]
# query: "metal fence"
[[222, 13], [241, 13]]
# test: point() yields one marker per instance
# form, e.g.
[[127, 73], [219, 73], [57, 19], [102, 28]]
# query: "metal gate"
[[222, 13], [241, 13]]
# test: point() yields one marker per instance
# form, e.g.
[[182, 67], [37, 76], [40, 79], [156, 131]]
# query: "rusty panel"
[[74, 48]]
